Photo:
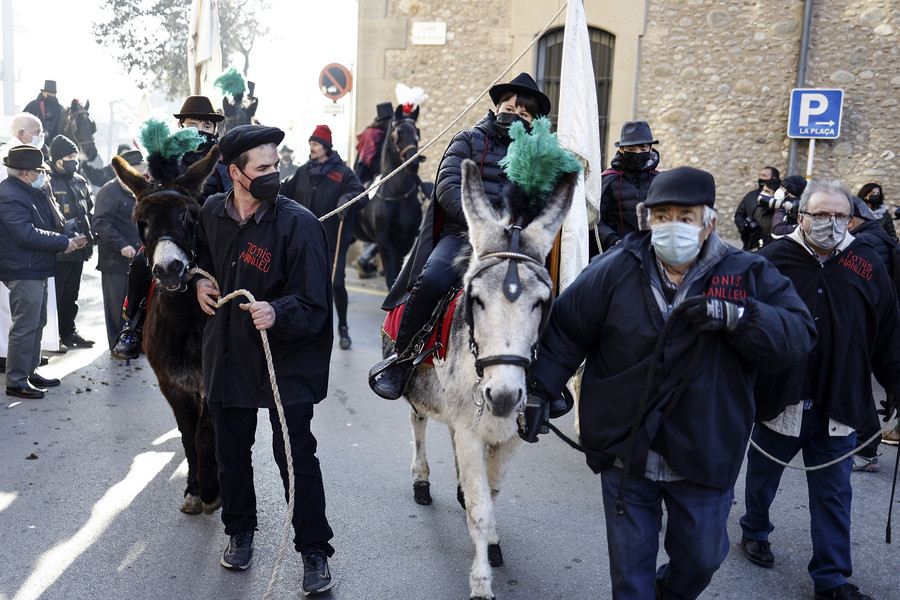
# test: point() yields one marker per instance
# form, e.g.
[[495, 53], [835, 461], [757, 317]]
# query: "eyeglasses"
[[822, 217]]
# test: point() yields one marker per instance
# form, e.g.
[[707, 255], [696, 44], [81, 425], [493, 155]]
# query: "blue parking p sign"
[[815, 113]]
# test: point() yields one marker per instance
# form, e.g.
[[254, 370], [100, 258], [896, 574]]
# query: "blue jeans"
[[696, 536], [829, 490], [28, 309]]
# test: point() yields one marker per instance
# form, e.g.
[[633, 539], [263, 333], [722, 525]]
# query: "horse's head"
[[79, 127], [166, 216], [508, 289], [402, 139]]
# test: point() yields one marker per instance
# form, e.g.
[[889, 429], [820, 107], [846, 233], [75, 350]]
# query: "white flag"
[[204, 51], [578, 131]]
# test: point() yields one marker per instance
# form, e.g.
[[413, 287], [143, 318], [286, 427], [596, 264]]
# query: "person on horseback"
[[197, 111], [367, 167], [46, 107], [430, 272], [324, 183]]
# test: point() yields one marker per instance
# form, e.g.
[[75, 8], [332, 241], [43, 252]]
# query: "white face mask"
[[676, 243], [39, 182], [826, 234], [37, 141], [779, 194]]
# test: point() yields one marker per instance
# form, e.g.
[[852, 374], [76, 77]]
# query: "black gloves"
[[535, 418], [711, 314], [890, 404]]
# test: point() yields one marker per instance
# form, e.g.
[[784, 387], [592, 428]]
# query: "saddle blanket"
[[392, 325]]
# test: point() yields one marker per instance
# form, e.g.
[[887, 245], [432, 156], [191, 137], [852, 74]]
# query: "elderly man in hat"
[[256, 239], [73, 196], [431, 270], [118, 242], [29, 242], [47, 108], [624, 185], [198, 112], [674, 326], [819, 408], [321, 185]]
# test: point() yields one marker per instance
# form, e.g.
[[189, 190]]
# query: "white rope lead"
[[453, 122], [286, 528]]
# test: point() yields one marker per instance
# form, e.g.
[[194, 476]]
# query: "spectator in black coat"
[[753, 216], [117, 243], [430, 271], [47, 108]]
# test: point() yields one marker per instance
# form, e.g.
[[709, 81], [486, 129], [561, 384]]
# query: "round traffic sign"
[[335, 81]]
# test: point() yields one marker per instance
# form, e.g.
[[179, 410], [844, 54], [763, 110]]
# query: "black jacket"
[[873, 233], [444, 216], [614, 313], [282, 259], [321, 194], [28, 238], [854, 305], [49, 111], [114, 227], [73, 196], [622, 191]]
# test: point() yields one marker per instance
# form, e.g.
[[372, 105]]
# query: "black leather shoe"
[[393, 381], [345, 338], [845, 591], [27, 391], [42, 382], [128, 343], [758, 552], [76, 341]]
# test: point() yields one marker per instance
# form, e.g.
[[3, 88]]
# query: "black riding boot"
[[128, 342]]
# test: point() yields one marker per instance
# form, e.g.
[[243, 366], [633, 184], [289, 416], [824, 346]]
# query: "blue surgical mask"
[[39, 182], [37, 141], [676, 243]]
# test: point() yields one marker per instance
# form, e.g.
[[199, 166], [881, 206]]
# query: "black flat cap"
[[682, 186], [795, 184], [244, 137], [25, 158]]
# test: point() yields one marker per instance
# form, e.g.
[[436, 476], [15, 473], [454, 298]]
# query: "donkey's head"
[[508, 289], [166, 216]]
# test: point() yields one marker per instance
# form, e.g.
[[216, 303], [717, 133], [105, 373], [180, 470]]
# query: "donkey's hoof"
[[495, 555], [422, 493], [460, 497], [211, 507], [192, 504]]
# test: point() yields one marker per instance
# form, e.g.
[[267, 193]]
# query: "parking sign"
[[815, 113]]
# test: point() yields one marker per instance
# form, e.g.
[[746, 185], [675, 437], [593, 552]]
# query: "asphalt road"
[[92, 478]]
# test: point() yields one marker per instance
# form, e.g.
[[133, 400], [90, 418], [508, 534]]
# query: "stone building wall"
[[715, 80]]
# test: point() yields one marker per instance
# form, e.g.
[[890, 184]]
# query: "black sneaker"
[[344, 335], [76, 341], [845, 591], [316, 574], [239, 551], [758, 552], [128, 344]]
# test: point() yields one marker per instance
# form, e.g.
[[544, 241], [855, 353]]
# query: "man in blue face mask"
[[673, 326]]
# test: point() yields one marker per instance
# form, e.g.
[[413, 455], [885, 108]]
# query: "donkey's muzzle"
[[171, 275]]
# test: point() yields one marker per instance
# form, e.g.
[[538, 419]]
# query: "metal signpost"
[[815, 114]]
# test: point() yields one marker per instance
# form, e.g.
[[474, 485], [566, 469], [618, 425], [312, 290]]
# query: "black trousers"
[[235, 434], [339, 290], [114, 286], [139, 278], [68, 284], [437, 277]]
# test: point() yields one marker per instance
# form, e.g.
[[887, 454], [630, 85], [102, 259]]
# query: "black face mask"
[[635, 161], [69, 166], [875, 199], [773, 183], [264, 188], [505, 120], [209, 141]]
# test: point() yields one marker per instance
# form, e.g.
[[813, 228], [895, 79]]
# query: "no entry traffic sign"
[[335, 81]]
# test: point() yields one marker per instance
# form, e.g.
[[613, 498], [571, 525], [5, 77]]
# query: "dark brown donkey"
[[166, 215]]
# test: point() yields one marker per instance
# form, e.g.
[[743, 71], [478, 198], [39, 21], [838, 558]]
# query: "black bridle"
[[512, 289], [74, 128], [395, 137], [190, 229]]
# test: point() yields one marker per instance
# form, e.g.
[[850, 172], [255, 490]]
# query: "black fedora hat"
[[523, 82], [199, 107], [49, 86], [682, 186], [634, 133], [25, 158]]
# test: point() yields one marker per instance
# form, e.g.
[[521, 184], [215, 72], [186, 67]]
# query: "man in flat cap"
[[29, 242], [256, 239], [47, 108], [674, 325]]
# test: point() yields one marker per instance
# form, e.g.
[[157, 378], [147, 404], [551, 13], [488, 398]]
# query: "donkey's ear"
[[484, 230], [87, 105], [541, 232], [195, 177], [130, 178]]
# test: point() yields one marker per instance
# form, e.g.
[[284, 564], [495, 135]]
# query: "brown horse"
[[166, 215], [78, 126]]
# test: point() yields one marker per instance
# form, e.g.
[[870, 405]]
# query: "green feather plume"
[[157, 140], [535, 162], [231, 82]]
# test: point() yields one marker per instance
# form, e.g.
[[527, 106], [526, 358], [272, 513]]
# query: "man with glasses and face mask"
[[26, 130], [818, 408], [673, 326]]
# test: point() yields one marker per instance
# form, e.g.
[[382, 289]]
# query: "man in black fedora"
[[432, 269], [626, 182], [29, 242], [46, 108]]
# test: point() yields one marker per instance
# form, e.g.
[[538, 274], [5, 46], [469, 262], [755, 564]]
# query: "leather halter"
[[394, 127], [512, 289]]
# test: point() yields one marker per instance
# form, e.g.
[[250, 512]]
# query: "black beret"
[[682, 186], [61, 147], [244, 137]]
